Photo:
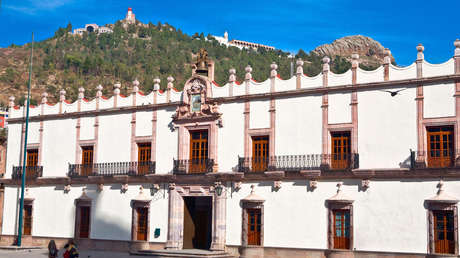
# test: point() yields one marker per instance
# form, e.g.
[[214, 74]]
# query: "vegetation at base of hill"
[[142, 52]]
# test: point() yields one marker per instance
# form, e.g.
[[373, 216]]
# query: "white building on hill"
[[240, 43], [359, 164]]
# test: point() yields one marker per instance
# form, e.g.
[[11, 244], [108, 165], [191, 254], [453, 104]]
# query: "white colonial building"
[[359, 164]]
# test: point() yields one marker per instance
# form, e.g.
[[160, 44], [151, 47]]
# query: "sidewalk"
[[44, 253]]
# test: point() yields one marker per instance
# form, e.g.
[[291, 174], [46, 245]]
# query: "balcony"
[[433, 159], [193, 166], [299, 162], [112, 169], [31, 172]]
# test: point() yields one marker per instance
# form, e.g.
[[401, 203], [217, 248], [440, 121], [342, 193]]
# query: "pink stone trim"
[[133, 132], [421, 129], [325, 114], [154, 129], [354, 110]]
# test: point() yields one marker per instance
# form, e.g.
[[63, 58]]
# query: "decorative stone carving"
[[457, 47], [365, 184], [326, 61], [172, 186], [354, 60], [100, 187], [248, 75], [277, 185], [81, 93], [67, 188], [387, 58], [11, 99], [237, 186], [99, 91], [154, 189], [44, 97], [116, 88], [313, 184], [156, 84], [420, 55], [135, 86], [194, 101], [273, 72], [62, 95], [299, 64], [232, 76], [124, 188]]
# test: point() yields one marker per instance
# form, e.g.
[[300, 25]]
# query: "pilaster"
[[81, 92], [175, 220], [419, 102], [299, 73], [272, 110], [133, 122], [156, 87], [354, 103], [324, 106], [457, 99], [246, 112], [231, 81], [220, 221], [116, 93], [386, 64], [40, 139]]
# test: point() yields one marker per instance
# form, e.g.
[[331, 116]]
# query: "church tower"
[[130, 17]]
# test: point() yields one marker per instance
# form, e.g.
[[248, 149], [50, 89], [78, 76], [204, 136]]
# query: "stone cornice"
[[210, 178], [278, 94]]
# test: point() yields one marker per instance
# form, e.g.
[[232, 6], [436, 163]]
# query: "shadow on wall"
[[405, 163]]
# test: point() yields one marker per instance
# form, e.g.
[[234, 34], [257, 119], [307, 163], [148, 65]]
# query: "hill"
[[143, 52]]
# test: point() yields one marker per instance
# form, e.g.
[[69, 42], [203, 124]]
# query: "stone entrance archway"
[[176, 215]]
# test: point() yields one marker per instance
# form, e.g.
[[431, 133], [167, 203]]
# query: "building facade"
[[240, 43], [364, 163]]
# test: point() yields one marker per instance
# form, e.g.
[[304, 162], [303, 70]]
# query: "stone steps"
[[187, 253]]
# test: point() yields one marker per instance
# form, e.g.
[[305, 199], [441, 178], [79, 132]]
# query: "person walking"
[[52, 249], [71, 250]]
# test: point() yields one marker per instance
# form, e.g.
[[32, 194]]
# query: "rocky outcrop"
[[371, 52]]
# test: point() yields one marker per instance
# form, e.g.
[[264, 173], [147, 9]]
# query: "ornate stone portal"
[[176, 215]]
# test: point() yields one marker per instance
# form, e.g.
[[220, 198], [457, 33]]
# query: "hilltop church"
[[359, 164]]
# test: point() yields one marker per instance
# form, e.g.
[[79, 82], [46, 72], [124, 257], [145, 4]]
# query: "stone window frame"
[[78, 204], [440, 206], [338, 205], [244, 233], [139, 204]]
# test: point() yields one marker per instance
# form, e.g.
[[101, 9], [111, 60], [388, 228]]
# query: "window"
[[143, 158], [440, 146], [32, 158], [87, 160], [254, 226], [27, 219], [84, 221], [341, 229], [142, 223], [340, 154], [444, 241], [260, 154], [198, 151]]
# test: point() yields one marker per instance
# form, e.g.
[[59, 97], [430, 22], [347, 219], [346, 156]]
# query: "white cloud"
[[33, 7]]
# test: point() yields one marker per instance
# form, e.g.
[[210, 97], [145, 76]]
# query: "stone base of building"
[[236, 251]]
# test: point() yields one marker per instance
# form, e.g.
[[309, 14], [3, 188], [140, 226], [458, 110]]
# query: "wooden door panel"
[[260, 153], [340, 154], [87, 160], [84, 221], [27, 220], [341, 229], [254, 226], [444, 240], [143, 158], [142, 223]]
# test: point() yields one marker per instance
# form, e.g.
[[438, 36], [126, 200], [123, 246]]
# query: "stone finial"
[[457, 48], [116, 89], [273, 72], [326, 61], [141, 190], [299, 64], [365, 184], [124, 188], [170, 82], [99, 91], [232, 77], [253, 189], [387, 58], [277, 185], [172, 186], [354, 60], [156, 84], [62, 95], [339, 185], [100, 187], [135, 86], [67, 188], [248, 75], [11, 99], [237, 186], [81, 93], [44, 97], [313, 184], [420, 49]]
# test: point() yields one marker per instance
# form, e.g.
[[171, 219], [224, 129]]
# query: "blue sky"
[[288, 25]]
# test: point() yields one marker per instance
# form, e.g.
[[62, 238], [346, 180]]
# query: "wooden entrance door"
[[84, 221], [341, 229], [340, 154], [142, 223], [440, 146], [254, 226], [260, 153], [198, 151], [143, 158], [32, 162], [444, 241], [87, 160], [27, 220]]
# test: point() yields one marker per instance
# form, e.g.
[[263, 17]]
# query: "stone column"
[[272, 110], [420, 155], [116, 93], [325, 119], [169, 88], [156, 87], [220, 220], [247, 79], [81, 95], [457, 98], [299, 73], [175, 220], [61, 100], [354, 103], [133, 122], [40, 139]]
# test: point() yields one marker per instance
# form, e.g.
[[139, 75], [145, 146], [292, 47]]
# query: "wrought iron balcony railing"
[[434, 159], [112, 169], [298, 162], [193, 166], [31, 172]]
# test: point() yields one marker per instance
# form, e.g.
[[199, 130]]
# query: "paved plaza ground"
[[44, 253]]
